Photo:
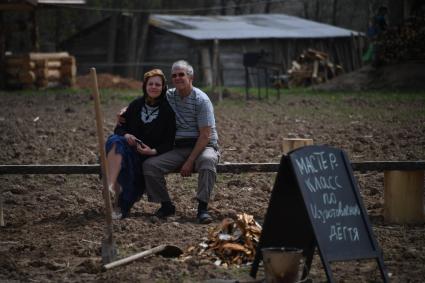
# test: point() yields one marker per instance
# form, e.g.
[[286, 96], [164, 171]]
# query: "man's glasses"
[[181, 75]]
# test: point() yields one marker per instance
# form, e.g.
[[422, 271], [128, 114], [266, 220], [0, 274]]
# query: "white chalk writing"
[[317, 183], [340, 232], [316, 162], [330, 213]]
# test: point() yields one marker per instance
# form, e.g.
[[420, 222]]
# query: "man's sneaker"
[[165, 211], [203, 217]]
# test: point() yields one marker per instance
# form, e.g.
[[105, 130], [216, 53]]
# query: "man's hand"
[[187, 169], [201, 143], [120, 118]]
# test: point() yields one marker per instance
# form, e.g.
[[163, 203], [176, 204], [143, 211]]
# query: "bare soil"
[[55, 223], [402, 76]]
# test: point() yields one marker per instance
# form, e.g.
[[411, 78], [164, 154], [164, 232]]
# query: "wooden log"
[[41, 73], [14, 61], [26, 77], [12, 71], [68, 70], [53, 75], [40, 63], [46, 63], [404, 197], [49, 56], [22, 63], [70, 60], [54, 64], [293, 143]]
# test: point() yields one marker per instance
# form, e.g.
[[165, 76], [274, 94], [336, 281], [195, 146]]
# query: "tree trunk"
[[2, 51], [238, 8], [267, 7], [334, 11], [306, 11], [223, 7], [317, 11], [141, 44], [395, 12], [132, 46], [34, 32], [112, 42]]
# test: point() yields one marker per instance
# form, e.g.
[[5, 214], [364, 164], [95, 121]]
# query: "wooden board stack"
[[40, 70], [312, 67]]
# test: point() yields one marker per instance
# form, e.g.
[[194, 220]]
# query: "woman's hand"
[[120, 118], [131, 140], [146, 150]]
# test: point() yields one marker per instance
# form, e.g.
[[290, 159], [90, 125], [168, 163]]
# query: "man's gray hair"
[[182, 64]]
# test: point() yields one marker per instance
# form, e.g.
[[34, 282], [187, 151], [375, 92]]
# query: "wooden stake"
[[108, 245], [293, 143], [1, 212], [403, 197]]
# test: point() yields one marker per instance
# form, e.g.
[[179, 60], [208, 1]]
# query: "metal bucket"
[[282, 265]]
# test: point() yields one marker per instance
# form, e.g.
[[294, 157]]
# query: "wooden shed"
[[277, 39], [119, 44]]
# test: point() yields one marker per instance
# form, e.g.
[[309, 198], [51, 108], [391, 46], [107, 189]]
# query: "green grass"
[[374, 103]]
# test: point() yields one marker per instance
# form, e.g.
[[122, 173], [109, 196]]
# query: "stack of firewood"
[[403, 42], [312, 67], [233, 242], [40, 70]]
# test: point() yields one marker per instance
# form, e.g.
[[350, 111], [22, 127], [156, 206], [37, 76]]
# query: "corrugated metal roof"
[[64, 2], [246, 26]]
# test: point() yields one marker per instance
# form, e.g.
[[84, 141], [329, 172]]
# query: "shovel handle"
[[105, 173], [134, 257]]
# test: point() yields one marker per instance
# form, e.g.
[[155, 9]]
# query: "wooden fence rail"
[[403, 182], [221, 168]]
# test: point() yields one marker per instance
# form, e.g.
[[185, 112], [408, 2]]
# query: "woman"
[[148, 130]]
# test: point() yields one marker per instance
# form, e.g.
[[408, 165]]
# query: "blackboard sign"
[[333, 203], [317, 200]]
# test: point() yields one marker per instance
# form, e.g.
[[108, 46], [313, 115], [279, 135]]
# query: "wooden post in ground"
[[403, 197], [293, 143], [1, 212]]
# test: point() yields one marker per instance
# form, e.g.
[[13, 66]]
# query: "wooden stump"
[[404, 197], [293, 143]]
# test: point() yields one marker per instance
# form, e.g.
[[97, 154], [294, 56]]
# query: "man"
[[195, 145]]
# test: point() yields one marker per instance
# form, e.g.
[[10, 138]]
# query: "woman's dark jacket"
[[158, 134]]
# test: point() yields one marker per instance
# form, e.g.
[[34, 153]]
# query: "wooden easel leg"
[[308, 261]]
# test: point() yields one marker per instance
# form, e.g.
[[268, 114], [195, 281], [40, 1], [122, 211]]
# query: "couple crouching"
[[161, 132]]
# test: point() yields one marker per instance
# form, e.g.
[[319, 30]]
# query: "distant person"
[[376, 27], [380, 20], [195, 145], [146, 130]]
